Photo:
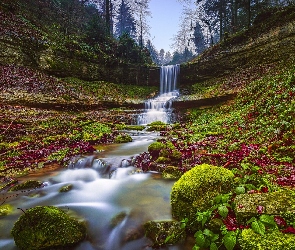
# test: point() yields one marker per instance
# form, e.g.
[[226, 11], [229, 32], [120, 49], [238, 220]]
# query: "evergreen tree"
[[125, 21]]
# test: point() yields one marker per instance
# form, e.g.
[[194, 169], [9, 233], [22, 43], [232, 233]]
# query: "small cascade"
[[160, 108]]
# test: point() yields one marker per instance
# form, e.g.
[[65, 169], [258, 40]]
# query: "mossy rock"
[[66, 188], [196, 189], [164, 232], [171, 172], [47, 227], [273, 203], [272, 240], [157, 126], [155, 148], [123, 138], [30, 184], [5, 209]]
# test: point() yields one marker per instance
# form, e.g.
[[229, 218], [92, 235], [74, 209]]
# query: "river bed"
[[105, 185]]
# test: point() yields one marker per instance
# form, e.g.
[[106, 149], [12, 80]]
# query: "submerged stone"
[[164, 232], [66, 188], [47, 227], [273, 203]]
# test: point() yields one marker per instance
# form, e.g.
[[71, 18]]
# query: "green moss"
[[171, 172], [164, 232], [5, 209], [66, 188], [272, 240], [30, 184], [47, 227], [123, 138], [155, 148], [196, 189], [274, 203]]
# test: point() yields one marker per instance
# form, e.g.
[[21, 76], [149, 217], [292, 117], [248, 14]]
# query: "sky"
[[164, 22]]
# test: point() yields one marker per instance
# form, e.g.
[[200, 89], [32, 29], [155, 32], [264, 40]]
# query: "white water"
[[160, 108]]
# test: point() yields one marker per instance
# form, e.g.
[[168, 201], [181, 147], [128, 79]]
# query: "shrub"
[[196, 189]]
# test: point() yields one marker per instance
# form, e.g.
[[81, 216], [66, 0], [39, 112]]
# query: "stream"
[[105, 185]]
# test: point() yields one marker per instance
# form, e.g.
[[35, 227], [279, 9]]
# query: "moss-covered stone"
[[5, 209], [30, 184], [155, 148], [171, 172], [164, 232], [47, 227], [66, 188], [196, 189], [123, 138], [272, 240], [273, 203]]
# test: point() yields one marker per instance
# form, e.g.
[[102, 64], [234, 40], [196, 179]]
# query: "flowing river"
[[105, 185]]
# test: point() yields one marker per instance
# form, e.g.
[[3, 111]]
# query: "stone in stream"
[[164, 232], [47, 227]]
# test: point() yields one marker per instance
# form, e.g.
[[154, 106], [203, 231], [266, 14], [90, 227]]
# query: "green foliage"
[[5, 209]]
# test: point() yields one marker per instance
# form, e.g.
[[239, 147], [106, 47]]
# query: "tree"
[[125, 21], [199, 38], [162, 57]]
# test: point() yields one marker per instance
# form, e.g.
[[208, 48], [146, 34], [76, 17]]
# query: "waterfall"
[[160, 108]]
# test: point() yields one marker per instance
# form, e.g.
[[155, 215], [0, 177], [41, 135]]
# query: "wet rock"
[[66, 188], [273, 203], [196, 189], [123, 138], [164, 232], [171, 172], [47, 227], [30, 184], [5, 209]]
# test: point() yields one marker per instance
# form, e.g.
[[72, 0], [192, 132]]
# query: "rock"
[[272, 240], [196, 189], [123, 138], [47, 227], [164, 232], [5, 209], [30, 184], [274, 203], [66, 188], [171, 172]]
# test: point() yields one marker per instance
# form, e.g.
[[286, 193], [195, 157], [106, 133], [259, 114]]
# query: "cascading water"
[[160, 108]]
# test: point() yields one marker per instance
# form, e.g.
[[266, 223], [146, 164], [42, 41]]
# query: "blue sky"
[[164, 22]]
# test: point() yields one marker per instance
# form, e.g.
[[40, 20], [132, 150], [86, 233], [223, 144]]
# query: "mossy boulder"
[[5, 209], [155, 148], [171, 172], [273, 203], [196, 189], [157, 126], [164, 232], [123, 138], [30, 184], [272, 240], [47, 227]]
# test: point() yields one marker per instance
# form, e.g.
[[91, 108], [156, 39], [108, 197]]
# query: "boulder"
[[47, 227], [272, 240], [196, 189], [273, 203], [164, 232]]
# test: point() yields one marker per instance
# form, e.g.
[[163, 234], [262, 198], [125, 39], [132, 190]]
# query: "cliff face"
[[270, 40]]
